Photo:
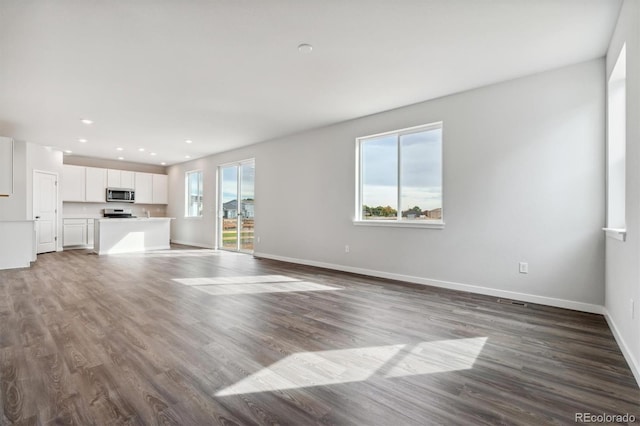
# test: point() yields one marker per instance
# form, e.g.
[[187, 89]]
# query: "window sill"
[[616, 233], [403, 224]]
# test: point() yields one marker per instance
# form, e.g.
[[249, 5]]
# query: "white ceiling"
[[227, 73]]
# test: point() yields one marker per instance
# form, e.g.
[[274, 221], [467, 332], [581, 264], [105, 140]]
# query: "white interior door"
[[45, 210]]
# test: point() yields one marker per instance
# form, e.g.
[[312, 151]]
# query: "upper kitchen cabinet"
[[120, 179], [160, 189], [144, 188], [89, 184], [6, 166], [73, 183], [96, 185], [151, 189]]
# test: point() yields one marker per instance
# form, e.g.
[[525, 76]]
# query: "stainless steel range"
[[118, 213]]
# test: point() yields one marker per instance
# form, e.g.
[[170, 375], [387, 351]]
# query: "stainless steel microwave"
[[121, 195]]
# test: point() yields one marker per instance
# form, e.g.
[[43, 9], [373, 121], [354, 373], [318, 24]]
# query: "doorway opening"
[[236, 204]]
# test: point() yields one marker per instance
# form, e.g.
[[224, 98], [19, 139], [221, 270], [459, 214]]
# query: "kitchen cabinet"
[[160, 189], [96, 185], [144, 188], [6, 166], [90, 230], [127, 179], [74, 232], [151, 188], [120, 179], [89, 184], [82, 184], [73, 183], [77, 233]]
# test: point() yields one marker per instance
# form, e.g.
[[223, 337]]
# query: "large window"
[[616, 144], [193, 191], [237, 205], [400, 177]]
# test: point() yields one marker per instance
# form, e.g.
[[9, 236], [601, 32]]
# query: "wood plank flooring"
[[198, 337]]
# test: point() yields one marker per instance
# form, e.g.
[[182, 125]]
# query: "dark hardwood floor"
[[198, 337]]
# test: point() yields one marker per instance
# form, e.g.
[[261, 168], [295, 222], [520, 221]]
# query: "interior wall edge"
[[634, 366]]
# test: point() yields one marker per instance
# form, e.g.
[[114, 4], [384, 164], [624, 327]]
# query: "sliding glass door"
[[236, 206]]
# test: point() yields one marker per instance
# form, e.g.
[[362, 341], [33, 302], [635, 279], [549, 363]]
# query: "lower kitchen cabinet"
[[77, 233], [90, 225]]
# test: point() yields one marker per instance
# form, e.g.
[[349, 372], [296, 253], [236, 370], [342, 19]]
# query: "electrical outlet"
[[523, 267], [346, 249], [258, 240], [632, 308]]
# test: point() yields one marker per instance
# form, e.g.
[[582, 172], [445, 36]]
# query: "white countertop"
[[82, 216], [132, 219]]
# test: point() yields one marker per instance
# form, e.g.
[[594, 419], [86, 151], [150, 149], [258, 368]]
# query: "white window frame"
[[616, 148], [186, 193], [399, 221]]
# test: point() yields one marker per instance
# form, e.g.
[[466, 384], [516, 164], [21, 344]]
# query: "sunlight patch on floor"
[[306, 369], [247, 279], [252, 284], [219, 290], [174, 253]]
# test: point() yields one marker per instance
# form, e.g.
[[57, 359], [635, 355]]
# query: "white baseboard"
[[633, 363], [525, 297], [189, 243]]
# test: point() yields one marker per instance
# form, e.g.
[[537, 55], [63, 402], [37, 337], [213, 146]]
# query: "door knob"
[[37, 217]]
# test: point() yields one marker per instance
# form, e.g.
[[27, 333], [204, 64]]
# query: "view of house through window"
[[193, 191], [401, 175], [237, 197]]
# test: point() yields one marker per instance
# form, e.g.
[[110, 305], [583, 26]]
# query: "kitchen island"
[[131, 235]]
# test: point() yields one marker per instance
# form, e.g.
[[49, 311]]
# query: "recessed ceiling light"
[[305, 48], [119, 148], [141, 149], [187, 156], [68, 151], [82, 140], [188, 141], [153, 153], [163, 163], [87, 121], [120, 158]]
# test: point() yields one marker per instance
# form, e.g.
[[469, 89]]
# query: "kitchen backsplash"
[[93, 210]]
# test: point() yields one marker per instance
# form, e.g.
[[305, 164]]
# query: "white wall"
[[194, 231], [27, 158], [523, 181], [623, 257], [105, 163]]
